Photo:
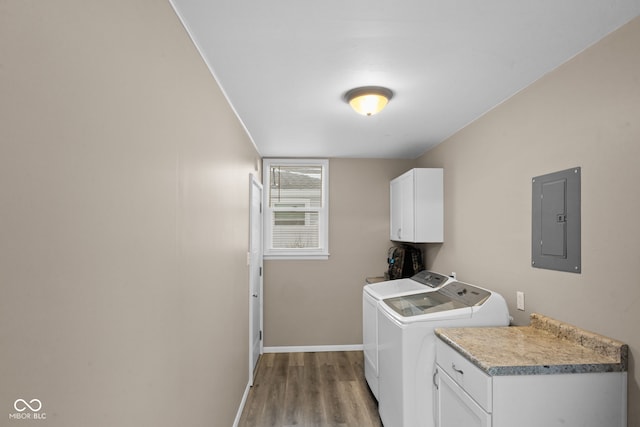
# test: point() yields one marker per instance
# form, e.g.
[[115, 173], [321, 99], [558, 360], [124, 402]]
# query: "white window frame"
[[320, 253]]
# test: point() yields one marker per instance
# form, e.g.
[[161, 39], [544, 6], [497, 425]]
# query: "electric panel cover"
[[555, 224]]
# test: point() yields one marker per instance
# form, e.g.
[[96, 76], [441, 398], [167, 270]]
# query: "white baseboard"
[[241, 408], [313, 348]]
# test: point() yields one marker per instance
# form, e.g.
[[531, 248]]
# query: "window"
[[296, 209]]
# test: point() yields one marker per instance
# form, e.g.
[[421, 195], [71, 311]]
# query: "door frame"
[[255, 185]]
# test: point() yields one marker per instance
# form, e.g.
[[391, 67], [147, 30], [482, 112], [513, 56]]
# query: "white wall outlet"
[[520, 300]]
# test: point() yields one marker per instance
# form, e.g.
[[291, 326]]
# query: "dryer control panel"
[[465, 293]]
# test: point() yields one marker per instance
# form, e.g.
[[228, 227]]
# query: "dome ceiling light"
[[368, 100]]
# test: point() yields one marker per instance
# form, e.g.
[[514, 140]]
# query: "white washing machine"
[[372, 295], [406, 356]]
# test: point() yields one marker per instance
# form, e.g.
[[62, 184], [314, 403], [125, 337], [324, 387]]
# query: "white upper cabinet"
[[417, 206]]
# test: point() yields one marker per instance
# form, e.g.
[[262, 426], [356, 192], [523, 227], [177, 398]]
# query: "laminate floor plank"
[[344, 368], [294, 397], [310, 390], [332, 404], [296, 359], [268, 359], [354, 413], [361, 387], [272, 414], [313, 408], [253, 412], [281, 367]]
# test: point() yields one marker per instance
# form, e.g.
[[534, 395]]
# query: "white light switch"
[[520, 300]]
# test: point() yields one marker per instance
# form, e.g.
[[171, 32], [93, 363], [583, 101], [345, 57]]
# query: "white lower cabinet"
[[467, 397], [464, 395]]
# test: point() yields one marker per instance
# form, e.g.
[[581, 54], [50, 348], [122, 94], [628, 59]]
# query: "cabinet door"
[[407, 186], [396, 209], [455, 408], [402, 208]]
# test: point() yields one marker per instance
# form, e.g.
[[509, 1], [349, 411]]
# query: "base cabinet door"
[[454, 407]]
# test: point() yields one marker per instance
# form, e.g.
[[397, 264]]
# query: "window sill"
[[301, 257]]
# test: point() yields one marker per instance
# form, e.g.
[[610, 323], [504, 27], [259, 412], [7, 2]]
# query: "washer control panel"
[[429, 278], [465, 293]]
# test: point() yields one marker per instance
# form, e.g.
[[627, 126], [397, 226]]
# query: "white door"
[[255, 276]]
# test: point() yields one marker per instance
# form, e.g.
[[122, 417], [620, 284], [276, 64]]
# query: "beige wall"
[[309, 303], [123, 220], [586, 113]]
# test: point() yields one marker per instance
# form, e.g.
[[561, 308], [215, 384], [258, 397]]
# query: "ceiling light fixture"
[[368, 100]]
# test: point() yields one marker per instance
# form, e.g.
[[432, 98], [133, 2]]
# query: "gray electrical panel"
[[555, 222]]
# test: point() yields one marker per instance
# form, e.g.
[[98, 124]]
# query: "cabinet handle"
[[435, 382], [460, 371]]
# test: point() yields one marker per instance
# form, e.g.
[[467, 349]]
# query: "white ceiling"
[[285, 64]]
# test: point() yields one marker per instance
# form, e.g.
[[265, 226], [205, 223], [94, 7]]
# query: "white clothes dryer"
[[406, 357], [372, 295]]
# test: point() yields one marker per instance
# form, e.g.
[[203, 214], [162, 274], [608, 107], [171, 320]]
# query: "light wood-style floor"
[[310, 389]]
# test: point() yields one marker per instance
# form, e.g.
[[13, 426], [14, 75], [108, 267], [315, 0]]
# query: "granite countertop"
[[547, 346]]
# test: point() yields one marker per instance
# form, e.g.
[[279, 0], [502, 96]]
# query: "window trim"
[[321, 253]]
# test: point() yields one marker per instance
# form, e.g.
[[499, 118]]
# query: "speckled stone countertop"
[[546, 346]]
